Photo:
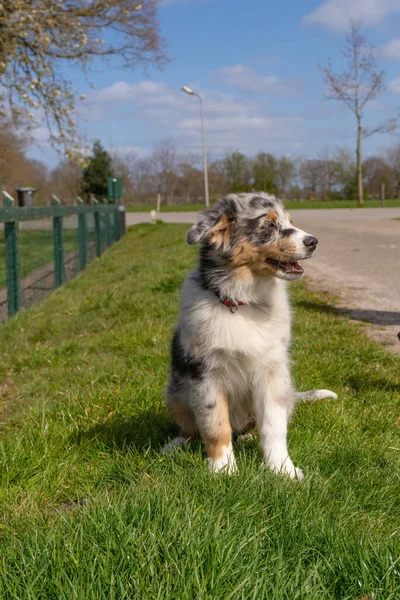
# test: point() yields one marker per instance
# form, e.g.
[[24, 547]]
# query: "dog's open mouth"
[[291, 268]]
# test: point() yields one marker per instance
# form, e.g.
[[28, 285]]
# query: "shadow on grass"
[[365, 383], [376, 317], [149, 429]]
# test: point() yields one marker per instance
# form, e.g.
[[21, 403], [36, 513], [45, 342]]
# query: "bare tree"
[[329, 172], [65, 181], [12, 147], [312, 176], [16, 169], [217, 178], [285, 174], [39, 38], [165, 161], [264, 171], [144, 181], [355, 87], [237, 172], [393, 160], [190, 177]]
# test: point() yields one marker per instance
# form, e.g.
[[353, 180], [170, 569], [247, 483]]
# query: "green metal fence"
[[44, 247]]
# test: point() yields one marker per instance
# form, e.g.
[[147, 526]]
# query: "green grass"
[[91, 510], [307, 204], [164, 208], [36, 249], [290, 205]]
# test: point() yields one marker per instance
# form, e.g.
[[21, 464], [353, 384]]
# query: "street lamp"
[[189, 91]]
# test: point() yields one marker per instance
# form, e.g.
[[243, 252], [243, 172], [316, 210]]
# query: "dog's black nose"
[[311, 242]]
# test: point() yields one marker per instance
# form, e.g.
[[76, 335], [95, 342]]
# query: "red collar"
[[226, 301]]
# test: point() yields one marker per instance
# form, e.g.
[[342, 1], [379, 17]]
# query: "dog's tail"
[[313, 395]]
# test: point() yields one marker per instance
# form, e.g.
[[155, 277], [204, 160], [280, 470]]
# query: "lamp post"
[[189, 91]]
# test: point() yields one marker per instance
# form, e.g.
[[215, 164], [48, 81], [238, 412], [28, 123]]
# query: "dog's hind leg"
[[183, 416], [245, 434], [314, 395], [177, 442]]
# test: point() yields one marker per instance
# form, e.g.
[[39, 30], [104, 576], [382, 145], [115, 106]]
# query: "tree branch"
[[388, 126]]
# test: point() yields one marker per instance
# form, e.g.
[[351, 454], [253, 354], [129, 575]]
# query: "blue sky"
[[255, 64]]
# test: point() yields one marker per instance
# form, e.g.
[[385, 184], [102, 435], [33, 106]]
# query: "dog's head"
[[253, 231]]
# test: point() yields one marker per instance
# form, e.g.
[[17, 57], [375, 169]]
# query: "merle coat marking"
[[230, 366]]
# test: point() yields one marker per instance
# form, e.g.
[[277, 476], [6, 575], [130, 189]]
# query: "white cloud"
[[336, 14], [243, 123], [394, 86], [247, 78], [121, 91], [157, 101], [230, 122], [392, 50], [247, 133]]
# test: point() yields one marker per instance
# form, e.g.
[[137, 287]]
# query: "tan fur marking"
[[216, 450], [216, 434], [285, 249], [221, 233], [289, 216], [243, 273], [182, 415], [245, 253], [272, 215], [251, 258]]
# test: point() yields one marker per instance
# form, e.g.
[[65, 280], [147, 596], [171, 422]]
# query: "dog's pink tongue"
[[294, 267]]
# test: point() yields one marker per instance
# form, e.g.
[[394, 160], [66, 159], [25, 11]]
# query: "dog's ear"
[[215, 225], [200, 231]]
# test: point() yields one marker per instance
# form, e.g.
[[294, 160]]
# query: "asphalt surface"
[[357, 261]]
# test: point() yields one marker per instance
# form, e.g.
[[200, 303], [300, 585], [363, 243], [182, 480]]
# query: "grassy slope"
[[90, 509], [290, 205]]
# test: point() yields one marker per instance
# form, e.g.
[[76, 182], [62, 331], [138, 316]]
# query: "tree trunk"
[[360, 200]]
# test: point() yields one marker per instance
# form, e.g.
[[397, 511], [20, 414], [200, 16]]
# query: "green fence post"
[[81, 236], [58, 243], [13, 269], [108, 227], [97, 227], [116, 222]]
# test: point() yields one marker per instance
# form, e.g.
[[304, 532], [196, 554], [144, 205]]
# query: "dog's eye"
[[271, 225]]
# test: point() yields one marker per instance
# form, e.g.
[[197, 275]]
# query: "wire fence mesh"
[[42, 248]]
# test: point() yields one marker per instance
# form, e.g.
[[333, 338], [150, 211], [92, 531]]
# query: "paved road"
[[357, 260], [133, 218]]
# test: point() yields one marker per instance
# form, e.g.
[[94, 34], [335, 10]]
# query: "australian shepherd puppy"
[[230, 365]]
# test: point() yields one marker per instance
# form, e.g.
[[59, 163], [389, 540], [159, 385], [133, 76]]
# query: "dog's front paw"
[[226, 465], [298, 474], [227, 469], [286, 467]]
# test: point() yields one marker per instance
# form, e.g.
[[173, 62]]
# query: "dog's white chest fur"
[[255, 332], [231, 369]]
